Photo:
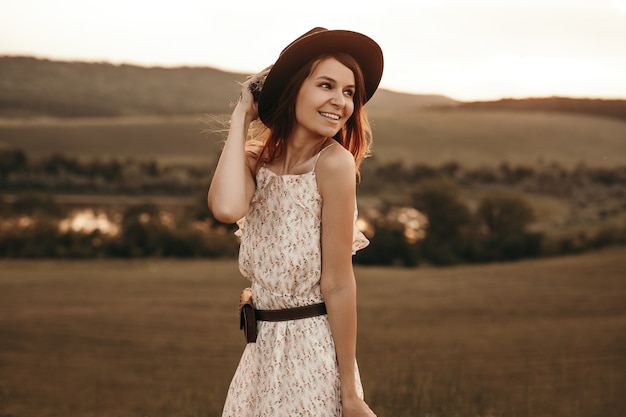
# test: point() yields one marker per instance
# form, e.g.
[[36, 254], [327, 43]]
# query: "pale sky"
[[465, 49]]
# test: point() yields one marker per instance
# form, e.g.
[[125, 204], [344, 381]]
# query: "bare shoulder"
[[335, 161], [335, 173]]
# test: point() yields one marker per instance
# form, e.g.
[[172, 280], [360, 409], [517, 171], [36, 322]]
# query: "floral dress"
[[291, 370]]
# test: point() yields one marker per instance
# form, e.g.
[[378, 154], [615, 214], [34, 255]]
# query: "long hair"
[[355, 135]]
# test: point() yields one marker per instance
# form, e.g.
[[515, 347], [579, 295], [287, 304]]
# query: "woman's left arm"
[[337, 184]]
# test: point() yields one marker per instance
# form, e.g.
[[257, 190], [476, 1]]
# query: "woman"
[[290, 183]]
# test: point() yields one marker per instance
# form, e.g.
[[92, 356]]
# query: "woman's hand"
[[250, 90], [245, 297], [356, 407], [233, 186]]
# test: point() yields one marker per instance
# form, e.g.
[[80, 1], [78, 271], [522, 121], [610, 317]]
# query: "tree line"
[[62, 173], [497, 230], [498, 226]]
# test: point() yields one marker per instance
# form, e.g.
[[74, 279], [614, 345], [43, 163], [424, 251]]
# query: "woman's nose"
[[338, 99]]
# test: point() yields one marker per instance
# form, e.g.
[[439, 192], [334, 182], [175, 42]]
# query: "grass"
[[165, 139], [469, 137], [160, 337], [491, 137]]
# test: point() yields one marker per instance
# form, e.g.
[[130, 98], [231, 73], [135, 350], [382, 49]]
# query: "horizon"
[[174, 67], [483, 51]]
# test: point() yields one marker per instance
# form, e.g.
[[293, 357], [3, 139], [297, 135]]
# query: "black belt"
[[294, 313], [249, 316]]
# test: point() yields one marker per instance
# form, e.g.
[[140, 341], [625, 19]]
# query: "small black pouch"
[[247, 323]]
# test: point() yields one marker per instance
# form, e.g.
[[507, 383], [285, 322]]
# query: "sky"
[[464, 49]]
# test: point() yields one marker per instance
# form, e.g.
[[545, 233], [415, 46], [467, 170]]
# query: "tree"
[[502, 221], [142, 232], [504, 215], [446, 240], [12, 160]]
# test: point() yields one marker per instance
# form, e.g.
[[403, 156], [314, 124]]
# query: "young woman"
[[290, 184]]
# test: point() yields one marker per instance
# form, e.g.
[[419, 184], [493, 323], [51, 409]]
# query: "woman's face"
[[325, 100]]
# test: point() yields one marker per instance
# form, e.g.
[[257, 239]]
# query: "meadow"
[[160, 337], [156, 337], [472, 138]]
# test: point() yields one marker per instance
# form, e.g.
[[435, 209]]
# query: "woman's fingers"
[[251, 91], [246, 297]]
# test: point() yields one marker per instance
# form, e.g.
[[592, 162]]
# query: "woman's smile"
[[327, 92], [332, 116]]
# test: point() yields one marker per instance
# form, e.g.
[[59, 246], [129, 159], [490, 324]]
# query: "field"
[[469, 137], [476, 138], [160, 338], [167, 139]]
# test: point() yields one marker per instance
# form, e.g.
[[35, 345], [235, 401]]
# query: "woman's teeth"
[[330, 115]]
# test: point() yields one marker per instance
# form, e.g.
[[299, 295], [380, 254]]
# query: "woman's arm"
[[233, 185], [337, 184]]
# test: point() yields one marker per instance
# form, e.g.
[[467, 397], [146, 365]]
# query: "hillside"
[[31, 87], [597, 107], [104, 110], [34, 87], [433, 137]]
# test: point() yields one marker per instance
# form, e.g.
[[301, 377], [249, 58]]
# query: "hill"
[[470, 137], [598, 107], [32, 87], [104, 110], [476, 138]]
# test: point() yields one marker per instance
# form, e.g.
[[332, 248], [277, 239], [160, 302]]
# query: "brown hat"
[[313, 43]]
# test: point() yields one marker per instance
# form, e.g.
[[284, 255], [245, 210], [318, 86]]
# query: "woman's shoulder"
[[335, 160], [336, 177]]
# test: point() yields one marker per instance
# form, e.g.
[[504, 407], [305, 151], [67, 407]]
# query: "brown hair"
[[355, 136]]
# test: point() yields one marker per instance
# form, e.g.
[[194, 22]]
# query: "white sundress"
[[291, 370]]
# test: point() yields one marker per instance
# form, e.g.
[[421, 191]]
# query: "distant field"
[[160, 338], [167, 139], [491, 137], [470, 137]]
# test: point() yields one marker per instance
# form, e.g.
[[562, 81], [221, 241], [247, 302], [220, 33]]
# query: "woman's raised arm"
[[232, 186]]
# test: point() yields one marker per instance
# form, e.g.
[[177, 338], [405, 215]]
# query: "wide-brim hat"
[[315, 42]]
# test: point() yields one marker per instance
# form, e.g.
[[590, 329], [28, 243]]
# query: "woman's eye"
[[349, 93], [325, 85]]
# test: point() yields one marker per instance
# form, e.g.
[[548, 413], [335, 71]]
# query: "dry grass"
[[160, 338], [171, 139], [538, 338], [476, 138], [469, 137]]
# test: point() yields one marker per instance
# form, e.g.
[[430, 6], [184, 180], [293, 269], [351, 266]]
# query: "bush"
[[31, 230], [12, 160], [388, 246], [502, 221], [609, 236], [504, 215], [449, 221]]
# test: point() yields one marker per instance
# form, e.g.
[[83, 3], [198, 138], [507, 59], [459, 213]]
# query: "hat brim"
[[363, 49]]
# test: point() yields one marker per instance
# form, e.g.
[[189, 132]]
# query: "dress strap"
[[317, 157]]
